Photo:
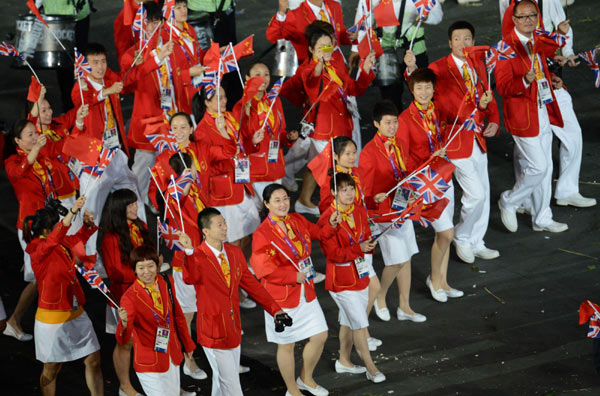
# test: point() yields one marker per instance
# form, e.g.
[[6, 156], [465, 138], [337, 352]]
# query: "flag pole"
[[401, 182], [287, 257], [271, 106], [236, 64], [218, 88], [162, 195], [141, 52], [334, 176], [157, 234], [178, 205], [31, 68], [414, 34]]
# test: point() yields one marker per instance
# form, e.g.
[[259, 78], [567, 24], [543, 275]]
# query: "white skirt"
[[398, 245], [185, 294], [242, 219], [353, 308], [369, 262], [445, 221], [161, 384], [308, 320], [65, 342], [111, 320]]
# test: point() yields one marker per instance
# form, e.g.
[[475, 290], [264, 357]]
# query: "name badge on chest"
[[166, 99], [544, 91], [161, 343], [401, 198], [362, 267], [306, 266], [75, 166], [374, 227], [111, 138], [273, 151], [242, 170]]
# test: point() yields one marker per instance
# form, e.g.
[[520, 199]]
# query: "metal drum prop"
[[286, 61], [36, 43], [388, 69], [201, 23]]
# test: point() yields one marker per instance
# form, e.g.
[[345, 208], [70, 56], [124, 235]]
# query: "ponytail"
[[42, 220], [27, 226]]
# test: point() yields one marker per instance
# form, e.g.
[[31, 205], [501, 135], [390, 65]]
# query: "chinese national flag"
[[433, 211], [212, 56], [85, 148], [475, 55], [443, 167], [36, 12], [35, 89], [129, 9], [154, 124], [320, 165], [545, 46], [251, 88], [385, 15], [363, 46], [244, 48]]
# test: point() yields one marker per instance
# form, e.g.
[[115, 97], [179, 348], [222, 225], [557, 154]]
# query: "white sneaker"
[[188, 393], [382, 313], [487, 254], [416, 317], [11, 332], [453, 293], [523, 210], [199, 374], [438, 295], [319, 277], [577, 200], [509, 219], [377, 378], [299, 207], [565, 3], [555, 226], [318, 391], [244, 369], [375, 342], [248, 303], [464, 253], [340, 368]]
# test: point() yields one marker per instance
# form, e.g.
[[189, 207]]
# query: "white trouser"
[[533, 173], [472, 175], [117, 175], [356, 134], [571, 146], [143, 160], [161, 384], [225, 365], [296, 158]]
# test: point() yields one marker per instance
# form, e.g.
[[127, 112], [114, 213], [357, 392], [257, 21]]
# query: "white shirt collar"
[[215, 251], [316, 10], [522, 38], [459, 62], [95, 85]]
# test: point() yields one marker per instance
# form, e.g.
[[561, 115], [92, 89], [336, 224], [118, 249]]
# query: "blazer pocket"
[[343, 276], [51, 294], [258, 164], [213, 326], [220, 187], [519, 117], [144, 356], [279, 293]]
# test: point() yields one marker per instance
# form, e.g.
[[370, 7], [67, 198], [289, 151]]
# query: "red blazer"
[[218, 321], [377, 175], [119, 271], [146, 102], [520, 103], [277, 273], [333, 117], [94, 122], [222, 189], [344, 247], [142, 324], [27, 186], [451, 90], [412, 131], [53, 264], [182, 59], [260, 168], [297, 20]]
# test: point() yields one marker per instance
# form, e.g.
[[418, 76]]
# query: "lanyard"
[[287, 240], [353, 234], [398, 173], [428, 131], [231, 130]]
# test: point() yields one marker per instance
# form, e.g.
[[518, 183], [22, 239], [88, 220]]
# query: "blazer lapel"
[[456, 74], [145, 298], [210, 256]]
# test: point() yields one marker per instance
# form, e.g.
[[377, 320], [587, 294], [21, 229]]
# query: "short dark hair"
[[153, 11], [422, 74], [459, 25], [254, 63], [518, 3], [143, 253], [205, 217], [315, 31], [271, 188], [340, 180], [95, 49], [178, 165], [181, 1], [383, 108]]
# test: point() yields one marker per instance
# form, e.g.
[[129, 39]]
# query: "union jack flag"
[[594, 329], [162, 142], [274, 92], [178, 185], [498, 52], [169, 10], [92, 277], [432, 212], [360, 25], [228, 59], [8, 49], [139, 23], [429, 184], [82, 67], [589, 57], [470, 124], [423, 8], [103, 160], [169, 235], [555, 36]]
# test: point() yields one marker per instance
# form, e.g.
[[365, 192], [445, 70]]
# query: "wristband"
[[73, 213]]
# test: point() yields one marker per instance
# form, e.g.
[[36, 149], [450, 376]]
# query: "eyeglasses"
[[532, 17]]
